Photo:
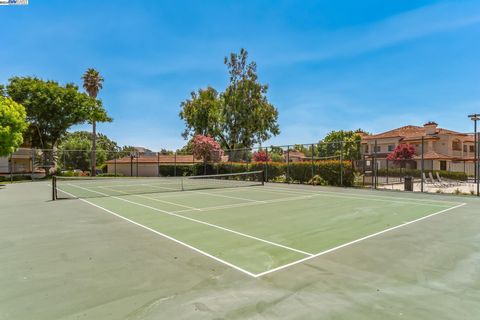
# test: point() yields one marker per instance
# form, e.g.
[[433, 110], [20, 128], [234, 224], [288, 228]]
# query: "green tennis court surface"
[[353, 252]]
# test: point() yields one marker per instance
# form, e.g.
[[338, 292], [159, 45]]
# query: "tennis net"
[[94, 187]]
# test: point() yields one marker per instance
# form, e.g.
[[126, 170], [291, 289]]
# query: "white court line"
[[354, 196], [311, 256], [310, 189], [200, 222], [355, 241], [235, 205], [153, 199], [166, 236]]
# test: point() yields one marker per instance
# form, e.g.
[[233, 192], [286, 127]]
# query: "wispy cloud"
[[391, 31]]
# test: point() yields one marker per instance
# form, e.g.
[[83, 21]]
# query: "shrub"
[[110, 175], [261, 156], [295, 172], [317, 181]]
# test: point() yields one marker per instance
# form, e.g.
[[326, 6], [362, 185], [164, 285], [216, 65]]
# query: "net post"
[[54, 188], [263, 178]]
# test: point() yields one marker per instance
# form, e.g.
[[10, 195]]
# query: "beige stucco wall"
[[144, 169]]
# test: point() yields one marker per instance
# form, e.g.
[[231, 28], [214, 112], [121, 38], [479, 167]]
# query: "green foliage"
[[52, 108], [318, 181], [297, 172], [276, 157], [92, 82], [75, 153], [127, 149], [12, 125], [237, 118], [103, 142], [331, 146], [202, 113], [166, 152]]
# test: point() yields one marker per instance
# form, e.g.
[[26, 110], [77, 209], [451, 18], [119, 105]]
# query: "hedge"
[[295, 172]]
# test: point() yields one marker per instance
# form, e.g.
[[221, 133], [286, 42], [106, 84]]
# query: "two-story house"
[[443, 149]]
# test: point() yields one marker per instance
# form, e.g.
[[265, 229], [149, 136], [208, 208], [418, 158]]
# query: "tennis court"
[[234, 247], [240, 222]]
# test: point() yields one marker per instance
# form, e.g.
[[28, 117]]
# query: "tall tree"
[[12, 125], [52, 109], [92, 83], [103, 142], [237, 118], [74, 152], [336, 141]]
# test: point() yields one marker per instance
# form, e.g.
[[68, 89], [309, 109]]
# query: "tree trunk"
[[94, 149]]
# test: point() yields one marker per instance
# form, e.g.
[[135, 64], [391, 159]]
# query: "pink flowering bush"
[[402, 152], [261, 156], [206, 148]]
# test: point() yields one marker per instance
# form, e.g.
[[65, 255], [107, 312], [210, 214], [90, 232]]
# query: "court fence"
[[367, 164]]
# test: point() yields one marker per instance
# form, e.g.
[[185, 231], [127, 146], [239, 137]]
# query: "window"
[[472, 148], [391, 147], [443, 165], [377, 149], [456, 145], [465, 148], [366, 148]]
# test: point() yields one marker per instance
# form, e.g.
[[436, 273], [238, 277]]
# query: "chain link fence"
[[450, 168]]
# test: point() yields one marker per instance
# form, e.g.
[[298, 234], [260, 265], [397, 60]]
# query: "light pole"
[[475, 118]]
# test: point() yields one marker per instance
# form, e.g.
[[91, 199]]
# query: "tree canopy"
[[12, 125], [52, 108], [331, 145], [103, 142], [237, 118]]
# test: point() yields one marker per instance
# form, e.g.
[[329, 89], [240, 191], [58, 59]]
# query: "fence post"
[[265, 169], [375, 173], [388, 171], [422, 165], [341, 163], [115, 165], [136, 163], [175, 164], [158, 164], [288, 164], [33, 163], [313, 165], [477, 162], [10, 167]]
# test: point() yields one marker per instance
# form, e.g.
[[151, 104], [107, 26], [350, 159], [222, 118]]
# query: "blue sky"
[[330, 65]]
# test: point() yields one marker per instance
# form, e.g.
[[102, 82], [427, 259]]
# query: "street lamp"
[[475, 118]]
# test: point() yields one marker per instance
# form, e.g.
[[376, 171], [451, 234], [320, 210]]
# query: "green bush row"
[[461, 176], [295, 172]]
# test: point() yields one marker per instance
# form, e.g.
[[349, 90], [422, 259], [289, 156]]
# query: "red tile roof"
[[411, 133]]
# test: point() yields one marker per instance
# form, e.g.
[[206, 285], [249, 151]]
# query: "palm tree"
[[92, 83]]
